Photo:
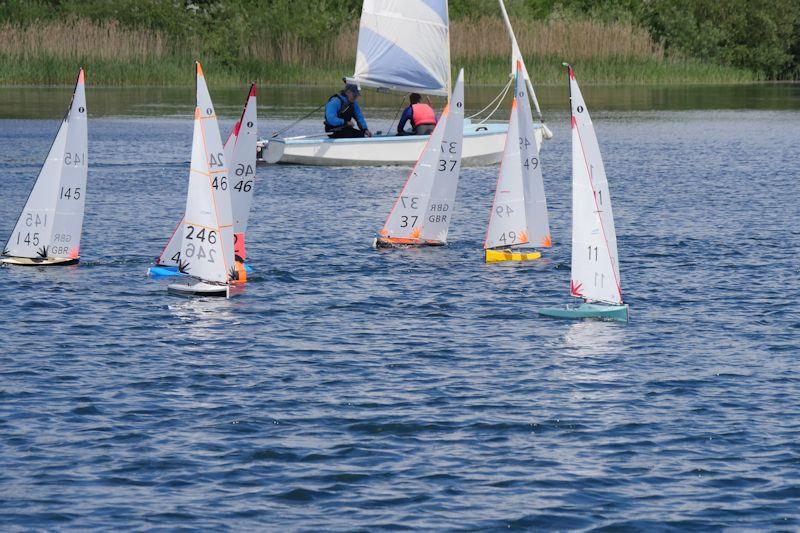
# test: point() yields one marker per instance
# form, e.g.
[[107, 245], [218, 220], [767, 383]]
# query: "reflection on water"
[[288, 102]]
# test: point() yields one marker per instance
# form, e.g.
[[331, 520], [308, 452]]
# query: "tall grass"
[[48, 52]]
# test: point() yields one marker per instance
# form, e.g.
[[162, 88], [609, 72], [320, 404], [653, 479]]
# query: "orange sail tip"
[[383, 232], [197, 113], [547, 242], [74, 253], [252, 90], [80, 77], [523, 237], [199, 68], [519, 65], [416, 233]]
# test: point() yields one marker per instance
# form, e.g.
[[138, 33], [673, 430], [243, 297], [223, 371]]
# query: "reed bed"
[[48, 52]]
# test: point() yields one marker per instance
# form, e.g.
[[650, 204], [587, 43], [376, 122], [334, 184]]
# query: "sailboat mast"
[[517, 54], [449, 66]]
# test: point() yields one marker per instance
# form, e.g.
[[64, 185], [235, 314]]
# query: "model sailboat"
[[518, 220], [595, 265], [206, 232], [422, 213], [48, 231], [240, 152]]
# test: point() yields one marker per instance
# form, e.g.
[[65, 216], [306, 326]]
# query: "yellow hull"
[[497, 256]]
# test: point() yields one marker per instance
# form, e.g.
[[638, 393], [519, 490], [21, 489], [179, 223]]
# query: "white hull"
[[199, 288], [49, 261], [483, 145]]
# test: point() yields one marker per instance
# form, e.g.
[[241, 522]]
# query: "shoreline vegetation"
[[155, 42]]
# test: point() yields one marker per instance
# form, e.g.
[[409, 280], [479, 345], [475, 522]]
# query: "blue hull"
[[587, 310], [167, 271]]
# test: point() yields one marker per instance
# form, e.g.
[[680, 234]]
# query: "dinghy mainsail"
[[404, 46], [206, 243], [48, 230], [519, 218], [240, 152], [595, 265], [423, 211]]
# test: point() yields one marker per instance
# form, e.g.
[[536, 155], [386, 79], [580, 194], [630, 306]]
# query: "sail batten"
[[403, 45]]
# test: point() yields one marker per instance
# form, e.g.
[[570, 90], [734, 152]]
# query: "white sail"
[[240, 153], [51, 221], [507, 223], [595, 268], [423, 210], [537, 220], [207, 229], [404, 45]]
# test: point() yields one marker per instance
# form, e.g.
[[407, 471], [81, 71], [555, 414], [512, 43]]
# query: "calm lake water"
[[354, 389]]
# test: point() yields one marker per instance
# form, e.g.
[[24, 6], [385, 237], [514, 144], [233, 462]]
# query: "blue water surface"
[[349, 388]]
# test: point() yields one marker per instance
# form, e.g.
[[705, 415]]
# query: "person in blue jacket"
[[343, 114]]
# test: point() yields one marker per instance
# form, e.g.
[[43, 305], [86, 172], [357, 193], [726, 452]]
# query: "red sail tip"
[[80, 77], [571, 73], [574, 122], [519, 65], [252, 91]]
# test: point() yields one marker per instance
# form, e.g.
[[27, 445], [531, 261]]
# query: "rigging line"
[[499, 96], [499, 103], [296, 122], [391, 124]]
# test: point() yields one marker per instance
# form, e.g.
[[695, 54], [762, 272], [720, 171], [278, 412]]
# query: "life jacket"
[[422, 114], [346, 111]]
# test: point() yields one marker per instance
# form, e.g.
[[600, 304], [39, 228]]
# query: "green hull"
[[587, 310]]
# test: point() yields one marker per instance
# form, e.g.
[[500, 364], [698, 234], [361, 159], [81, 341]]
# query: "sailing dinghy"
[[206, 231], [422, 213], [595, 263], [403, 46], [518, 220], [48, 231], [240, 152]]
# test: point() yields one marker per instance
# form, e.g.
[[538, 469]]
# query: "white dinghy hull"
[[483, 145]]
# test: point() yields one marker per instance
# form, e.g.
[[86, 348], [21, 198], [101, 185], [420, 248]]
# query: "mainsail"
[[595, 268], [404, 45], [519, 211], [424, 208], [206, 250], [51, 221], [240, 153]]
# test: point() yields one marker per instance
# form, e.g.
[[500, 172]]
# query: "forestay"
[[51, 221], [240, 153], [207, 230], [424, 208], [595, 269], [404, 45]]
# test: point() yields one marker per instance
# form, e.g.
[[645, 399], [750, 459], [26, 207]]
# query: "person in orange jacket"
[[421, 116]]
